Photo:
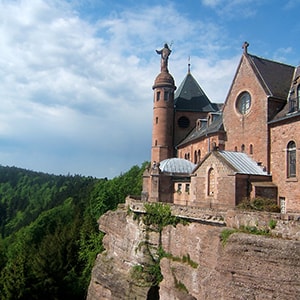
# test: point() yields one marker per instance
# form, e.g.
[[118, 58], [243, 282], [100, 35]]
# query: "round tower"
[[163, 111]]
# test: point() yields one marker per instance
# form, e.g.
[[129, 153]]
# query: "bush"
[[259, 204]]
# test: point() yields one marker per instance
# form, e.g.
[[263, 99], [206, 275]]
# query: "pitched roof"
[[190, 97], [240, 162], [205, 130], [275, 77], [290, 109]]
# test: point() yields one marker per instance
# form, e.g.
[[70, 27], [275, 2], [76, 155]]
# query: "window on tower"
[[158, 96], [166, 95]]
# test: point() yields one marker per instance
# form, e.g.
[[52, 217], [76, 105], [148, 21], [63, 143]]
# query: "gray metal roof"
[[242, 163], [176, 166]]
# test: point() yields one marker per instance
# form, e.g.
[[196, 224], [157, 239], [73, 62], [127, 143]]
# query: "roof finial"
[[189, 65], [245, 47]]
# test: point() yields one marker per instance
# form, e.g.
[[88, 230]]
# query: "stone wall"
[[250, 128], [288, 188]]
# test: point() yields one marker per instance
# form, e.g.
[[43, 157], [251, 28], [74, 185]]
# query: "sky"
[[76, 75]]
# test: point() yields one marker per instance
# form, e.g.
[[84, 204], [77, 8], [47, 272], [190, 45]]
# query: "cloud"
[[234, 8], [76, 93]]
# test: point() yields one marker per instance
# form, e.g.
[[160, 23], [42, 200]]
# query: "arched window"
[[243, 148], [211, 182], [291, 159], [251, 149], [235, 148], [195, 157], [199, 156]]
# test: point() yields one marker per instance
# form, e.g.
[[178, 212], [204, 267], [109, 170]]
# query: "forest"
[[49, 232]]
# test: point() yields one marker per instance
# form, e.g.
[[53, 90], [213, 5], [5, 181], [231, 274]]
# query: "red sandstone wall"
[[250, 128], [287, 187], [224, 191]]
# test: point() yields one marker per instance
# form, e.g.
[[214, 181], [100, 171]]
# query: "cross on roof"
[[245, 47]]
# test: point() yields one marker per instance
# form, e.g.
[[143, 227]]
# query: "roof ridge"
[[259, 73], [270, 60]]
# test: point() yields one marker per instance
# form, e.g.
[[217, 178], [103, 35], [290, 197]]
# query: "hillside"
[[49, 233]]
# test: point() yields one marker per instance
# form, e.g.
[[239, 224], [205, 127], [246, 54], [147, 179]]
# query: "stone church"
[[212, 155]]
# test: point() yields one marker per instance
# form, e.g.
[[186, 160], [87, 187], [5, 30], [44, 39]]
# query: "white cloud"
[[77, 96]]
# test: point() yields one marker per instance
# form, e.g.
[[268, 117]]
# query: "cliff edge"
[[199, 265]]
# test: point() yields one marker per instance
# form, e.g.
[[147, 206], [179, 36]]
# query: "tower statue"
[[165, 53]]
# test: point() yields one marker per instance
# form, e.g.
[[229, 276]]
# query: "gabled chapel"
[[213, 156]]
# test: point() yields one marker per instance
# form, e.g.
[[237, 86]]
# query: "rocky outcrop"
[[198, 264]]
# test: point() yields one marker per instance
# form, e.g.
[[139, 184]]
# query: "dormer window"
[[201, 123]]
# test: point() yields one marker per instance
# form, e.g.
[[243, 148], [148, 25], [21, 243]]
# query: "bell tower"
[[163, 111]]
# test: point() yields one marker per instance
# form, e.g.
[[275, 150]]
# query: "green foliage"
[[254, 230], [159, 215], [49, 232], [259, 204], [156, 217], [184, 259], [225, 234], [272, 224]]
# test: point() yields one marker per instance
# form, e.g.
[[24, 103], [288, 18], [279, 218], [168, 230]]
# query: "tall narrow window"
[[195, 157], [156, 120], [166, 95], [158, 96], [235, 149], [211, 182], [187, 187], [243, 148], [291, 159], [199, 156], [251, 149]]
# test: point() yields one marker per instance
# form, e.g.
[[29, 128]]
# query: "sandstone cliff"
[[199, 266]]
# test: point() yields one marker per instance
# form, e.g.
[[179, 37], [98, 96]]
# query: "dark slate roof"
[[190, 97], [197, 133], [289, 111], [275, 77]]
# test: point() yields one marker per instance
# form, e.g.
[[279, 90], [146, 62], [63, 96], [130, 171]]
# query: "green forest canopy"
[[49, 231]]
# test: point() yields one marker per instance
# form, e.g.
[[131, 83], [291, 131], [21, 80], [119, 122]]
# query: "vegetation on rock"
[[157, 216], [259, 204]]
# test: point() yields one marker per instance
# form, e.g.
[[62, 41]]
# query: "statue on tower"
[[165, 53]]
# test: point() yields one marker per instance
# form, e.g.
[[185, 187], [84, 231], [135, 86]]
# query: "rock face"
[[198, 265]]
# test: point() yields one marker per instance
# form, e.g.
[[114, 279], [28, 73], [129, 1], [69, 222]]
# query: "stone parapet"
[[281, 225]]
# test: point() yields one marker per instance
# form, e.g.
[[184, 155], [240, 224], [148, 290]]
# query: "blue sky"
[[77, 75]]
